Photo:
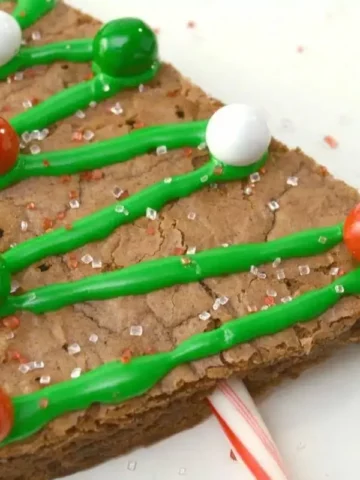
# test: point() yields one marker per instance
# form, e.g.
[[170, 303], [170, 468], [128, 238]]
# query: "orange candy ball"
[[6, 415], [352, 232], [9, 146]]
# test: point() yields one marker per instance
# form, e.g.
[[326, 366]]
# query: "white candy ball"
[[237, 135], [10, 37]]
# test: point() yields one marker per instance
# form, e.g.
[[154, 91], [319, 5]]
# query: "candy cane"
[[250, 439]]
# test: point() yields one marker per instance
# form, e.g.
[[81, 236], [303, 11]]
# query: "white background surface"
[[246, 50]]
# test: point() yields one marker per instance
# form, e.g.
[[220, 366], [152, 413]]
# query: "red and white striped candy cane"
[[250, 439]]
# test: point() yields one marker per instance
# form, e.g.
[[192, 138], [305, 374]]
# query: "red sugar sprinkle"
[[262, 170], [47, 223], [60, 215], [323, 171], [187, 151], [30, 206], [65, 178], [68, 226], [269, 301], [89, 76], [341, 272], [46, 163], [86, 176], [77, 137], [96, 174], [124, 194], [331, 141], [173, 93], [300, 49], [150, 230], [73, 194], [191, 24], [179, 250], [139, 124], [11, 322], [126, 356], [35, 101]]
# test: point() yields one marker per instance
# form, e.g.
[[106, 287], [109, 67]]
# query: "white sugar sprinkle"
[[264, 307], [93, 338], [204, 316], [254, 270], [151, 213], [35, 135], [15, 285], [216, 304], [161, 150], [88, 135], [225, 245], [117, 192], [273, 205], [76, 373], [167, 180], [255, 177], [36, 35], [304, 269], [80, 114], [45, 379], [24, 368], [204, 178], [106, 88], [22, 145], [276, 262], [131, 466], [292, 181], [280, 274], [74, 203], [38, 365], [191, 250], [322, 240], [10, 335], [35, 149], [117, 109], [248, 191], [24, 225], [27, 104], [334, 271], [136, 330], [86, 259], [191, 215], [261, 275], [271, 293], [120, 209], [141, 88], [202, 146], [223, 300], [19, 76], [339, 289], [182, 471], [96, 263], [44, 133], [92, 104], [73, 349], [286, 299]]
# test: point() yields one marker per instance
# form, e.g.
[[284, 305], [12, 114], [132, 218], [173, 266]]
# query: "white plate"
[[247, 51]]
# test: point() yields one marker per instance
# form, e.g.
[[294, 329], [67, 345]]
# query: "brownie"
[[229, 213]]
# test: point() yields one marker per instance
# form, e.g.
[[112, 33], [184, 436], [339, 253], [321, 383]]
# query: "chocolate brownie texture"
[[224, 214]]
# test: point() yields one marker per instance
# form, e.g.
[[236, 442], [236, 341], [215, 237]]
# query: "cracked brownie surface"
[[236, 212]]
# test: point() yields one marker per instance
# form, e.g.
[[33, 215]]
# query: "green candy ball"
[[125, 48]]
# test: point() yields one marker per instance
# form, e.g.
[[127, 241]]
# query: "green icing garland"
[[116, 68]]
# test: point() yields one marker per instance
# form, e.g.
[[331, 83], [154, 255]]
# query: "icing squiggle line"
[[116, 382], [102, 223], [67, 102], [69, 51], [153, 275], [28, 12], [108, 152]]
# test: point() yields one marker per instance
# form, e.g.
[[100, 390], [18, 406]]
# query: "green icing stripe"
[[69, 51], [102, 154], [116, 382], [28, 12], [102, 223], [67, 102], [157, 274]]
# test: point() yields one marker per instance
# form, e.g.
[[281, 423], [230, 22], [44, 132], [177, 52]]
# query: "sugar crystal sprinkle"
[[74, 203], [120, 209], [286, 299], [280, 274], [141, 88], [271, 292], [304, 269], [255, 177], [106, 88], [80, 114], [88, 135], [117, 109], [73, 349], [24, 368], [191, 250], [322, 240], [96, 263], [35, 149], [216, 304], [10, 335], [27, 104], [15, 285], [339, 289], [93, 338], [204, 178], [225, 245], [45, 380], [248, 191], [131, 466], [334, 271], [191, 215], [24, 226], [182, 471], [223, 300], [151, 213], [92, 104], [76, 373], [26, 137], [273, 205], [292, 181], [19, 76], [86, 259], [36, 35], [254, 270], [202, 146], [276, 262], [261, 275], [117, 192], [167, 180], [161, 150], [204, 316], [136, 330]]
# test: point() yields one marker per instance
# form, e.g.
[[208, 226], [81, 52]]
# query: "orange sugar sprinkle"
[[331, 141], [188, 151], [47, 223], [46, 163], [60, 215]]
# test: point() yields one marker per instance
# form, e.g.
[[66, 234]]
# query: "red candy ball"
[[9, 146], [6, 415], [352, 232]]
